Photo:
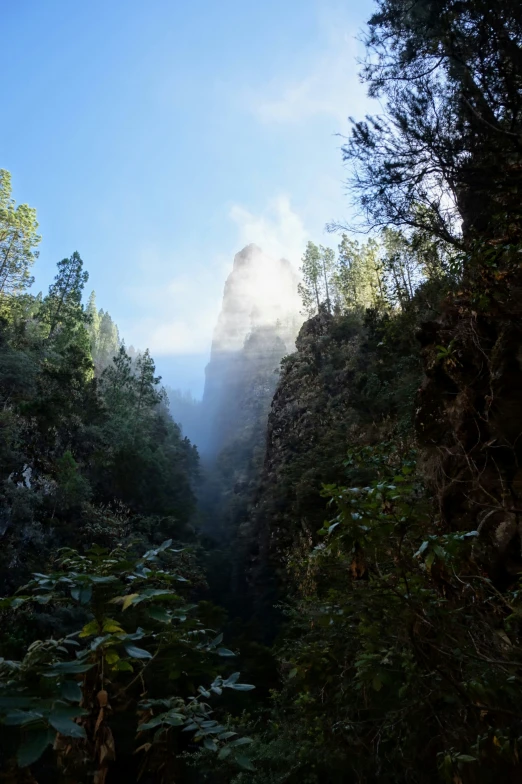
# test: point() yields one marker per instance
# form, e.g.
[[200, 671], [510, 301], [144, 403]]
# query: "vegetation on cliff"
[[399, 647]]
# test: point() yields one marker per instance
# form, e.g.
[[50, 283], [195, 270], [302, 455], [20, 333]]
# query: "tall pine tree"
[[63, 305], [18, 240]]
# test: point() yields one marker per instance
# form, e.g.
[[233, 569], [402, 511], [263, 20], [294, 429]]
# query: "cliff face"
[[260, 291], [449, 385], [257, 326], [311, 423], [351, 383], [255, 329]]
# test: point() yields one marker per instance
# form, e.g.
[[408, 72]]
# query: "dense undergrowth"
[[109, 640]]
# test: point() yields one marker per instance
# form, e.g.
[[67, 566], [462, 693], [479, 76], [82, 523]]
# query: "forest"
[[332, 593]]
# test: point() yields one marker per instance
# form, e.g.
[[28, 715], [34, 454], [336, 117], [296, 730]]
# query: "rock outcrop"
[[256, 327]]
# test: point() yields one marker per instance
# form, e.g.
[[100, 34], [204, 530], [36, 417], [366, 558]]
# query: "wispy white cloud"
[[278, 229], [327, 85], [177, 315], [183, 335]]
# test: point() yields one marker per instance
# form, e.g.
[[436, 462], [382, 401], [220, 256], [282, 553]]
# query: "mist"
[[256, 326], [260, 291]]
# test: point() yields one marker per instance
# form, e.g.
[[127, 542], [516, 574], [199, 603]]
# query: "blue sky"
[[158, 139]]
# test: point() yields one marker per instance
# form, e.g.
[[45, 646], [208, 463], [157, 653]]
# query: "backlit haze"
[[159, 139]]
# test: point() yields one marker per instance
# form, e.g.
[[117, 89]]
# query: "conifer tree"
[[63, 304], [93, 324], [147, 395], [18, 240], [357, 278], [117, 381], [328, 266], [310, 288], [446, 156], [401, 265], [107, 341]]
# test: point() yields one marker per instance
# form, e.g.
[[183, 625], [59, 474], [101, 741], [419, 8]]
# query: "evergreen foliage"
[[18, 240], [445, 157], [103, 336]]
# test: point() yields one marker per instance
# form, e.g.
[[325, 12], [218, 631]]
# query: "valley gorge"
[[305, 428], [312, 574]]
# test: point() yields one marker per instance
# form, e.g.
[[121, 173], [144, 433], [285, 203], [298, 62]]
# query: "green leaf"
[[224, 752], [137, 653], [82, 593], [70, 691], [160, 614], [244, 762], [70, 667], [17, 601], [128, 600], [111, 656], [150, 725], [175, 720], [241, 686], [111, 627], [33, 746], [152, 593], [210, 744], [225, 652], [90, 628], [43, 599], [466, 758], [19, 718], [123, 666], [138, 634], [61, 720], [99, 641], [240, 742], [232, 679], [151, 554]]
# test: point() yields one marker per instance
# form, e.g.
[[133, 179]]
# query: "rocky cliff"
[[256, 327], [350, 384]]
